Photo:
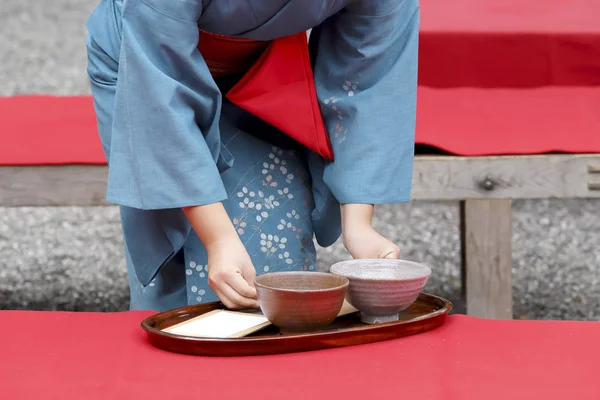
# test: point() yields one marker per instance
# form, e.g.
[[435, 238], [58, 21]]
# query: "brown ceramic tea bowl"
[[298, 302], [380, 289]]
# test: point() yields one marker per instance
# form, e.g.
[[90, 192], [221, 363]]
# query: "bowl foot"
[[378, 319], [299, 331]]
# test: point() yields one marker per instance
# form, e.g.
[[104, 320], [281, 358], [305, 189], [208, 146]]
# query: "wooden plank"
[[47, 186], [516, 177], [487, 257], [434, 178]]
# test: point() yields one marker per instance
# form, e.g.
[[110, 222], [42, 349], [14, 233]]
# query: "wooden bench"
[[485, 187]]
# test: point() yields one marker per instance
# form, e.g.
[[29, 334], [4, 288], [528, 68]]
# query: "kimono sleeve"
[[165, 150], [365, 65]]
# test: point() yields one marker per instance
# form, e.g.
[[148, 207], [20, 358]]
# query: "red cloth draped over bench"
[[509, 43], [45, 130], [497, 77], [42, 130], [53, 355]]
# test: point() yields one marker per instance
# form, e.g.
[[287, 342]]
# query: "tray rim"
[[145, 324]]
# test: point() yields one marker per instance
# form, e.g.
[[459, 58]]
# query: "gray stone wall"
[[72, 258]]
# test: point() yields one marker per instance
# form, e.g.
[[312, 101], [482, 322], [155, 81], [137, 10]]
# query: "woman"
[[212, 194]]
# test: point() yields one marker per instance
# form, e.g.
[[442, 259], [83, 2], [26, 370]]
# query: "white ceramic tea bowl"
[[381, 288]]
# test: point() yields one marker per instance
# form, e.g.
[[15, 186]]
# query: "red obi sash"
[[277, 86]]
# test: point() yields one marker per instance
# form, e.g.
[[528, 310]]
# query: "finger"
[[233, 301], [249, 274], [238, 300], [226, 301], [217, 283], [392, 253], [241, 286]]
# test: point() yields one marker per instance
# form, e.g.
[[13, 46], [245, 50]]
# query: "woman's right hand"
[[230, 270], [231, 274]]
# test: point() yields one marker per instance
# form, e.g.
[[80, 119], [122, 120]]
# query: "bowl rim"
[[314, 273], [421, 265]]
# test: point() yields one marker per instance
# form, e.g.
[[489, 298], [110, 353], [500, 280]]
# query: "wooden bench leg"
[[487, 257]]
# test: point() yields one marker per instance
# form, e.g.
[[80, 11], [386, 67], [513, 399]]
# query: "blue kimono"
[[171, 139]]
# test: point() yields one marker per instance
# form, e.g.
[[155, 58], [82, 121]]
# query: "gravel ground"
[[72, 258]]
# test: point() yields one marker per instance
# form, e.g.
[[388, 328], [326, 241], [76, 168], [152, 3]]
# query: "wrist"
[[219, 241], [356, 217]]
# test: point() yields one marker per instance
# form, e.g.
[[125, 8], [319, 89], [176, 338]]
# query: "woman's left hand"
[[360, 239]]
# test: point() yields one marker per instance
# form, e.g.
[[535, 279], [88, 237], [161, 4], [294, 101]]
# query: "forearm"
[[356, 216], [211, 223], [230, 270], [360, 239]]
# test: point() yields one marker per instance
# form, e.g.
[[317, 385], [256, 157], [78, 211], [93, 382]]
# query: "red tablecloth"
[[106, 356]]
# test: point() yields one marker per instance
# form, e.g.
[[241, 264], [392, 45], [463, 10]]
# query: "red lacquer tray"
[[427, 313]]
